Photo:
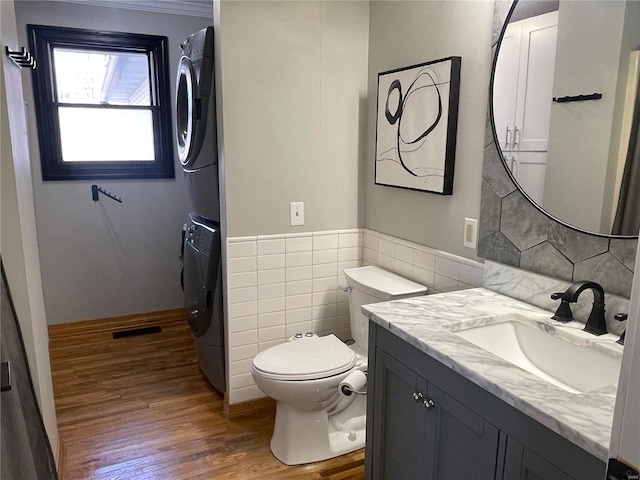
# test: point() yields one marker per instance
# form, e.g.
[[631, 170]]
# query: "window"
[[102, 104]]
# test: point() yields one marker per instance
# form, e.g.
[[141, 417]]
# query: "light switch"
[[296, 210]]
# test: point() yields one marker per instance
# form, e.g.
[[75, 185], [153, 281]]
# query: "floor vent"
[[136, 332]]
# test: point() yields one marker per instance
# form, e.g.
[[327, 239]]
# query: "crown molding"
[[193, 8]]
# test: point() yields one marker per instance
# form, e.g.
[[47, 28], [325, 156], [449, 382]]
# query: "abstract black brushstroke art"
[[416, 126]]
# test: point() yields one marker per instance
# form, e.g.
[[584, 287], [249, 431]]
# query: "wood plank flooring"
[[138, 408]]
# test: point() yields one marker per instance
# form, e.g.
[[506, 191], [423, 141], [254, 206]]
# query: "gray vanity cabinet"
[[523, 464], [424, 433], [428, 422]]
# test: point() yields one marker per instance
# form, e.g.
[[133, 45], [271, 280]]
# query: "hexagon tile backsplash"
[[514, 232]]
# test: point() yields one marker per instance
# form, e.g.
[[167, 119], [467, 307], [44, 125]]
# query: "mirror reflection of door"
[[522, 98], [568, 157]]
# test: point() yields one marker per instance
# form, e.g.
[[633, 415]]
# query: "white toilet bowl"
[[303, 377], [315, 419]]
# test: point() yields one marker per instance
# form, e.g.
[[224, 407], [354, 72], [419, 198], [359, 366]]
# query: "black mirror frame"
[[515, 231]]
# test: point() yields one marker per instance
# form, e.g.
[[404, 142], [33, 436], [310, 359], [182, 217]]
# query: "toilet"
[[319, 382]]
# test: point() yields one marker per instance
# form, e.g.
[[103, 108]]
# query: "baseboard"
[[265, 404], [60, 458]]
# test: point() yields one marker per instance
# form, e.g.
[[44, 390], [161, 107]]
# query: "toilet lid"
[[306, 358]]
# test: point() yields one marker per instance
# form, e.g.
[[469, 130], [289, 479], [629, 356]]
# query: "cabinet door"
[[398, 445], [535, 84], [522, 464], [460, 443], [505, 87], [529, 169]]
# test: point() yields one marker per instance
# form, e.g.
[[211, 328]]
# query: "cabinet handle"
[[417, 396], [506, 138], [428, 404], [516, 138]]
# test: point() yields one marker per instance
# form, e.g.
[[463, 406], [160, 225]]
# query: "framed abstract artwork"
[[416, 125]]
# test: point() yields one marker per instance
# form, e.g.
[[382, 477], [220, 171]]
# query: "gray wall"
[[408, 33], [294, 80], [102, 259]]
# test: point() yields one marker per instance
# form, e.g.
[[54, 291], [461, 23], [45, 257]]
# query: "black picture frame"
[[42, 40], [416, 126]]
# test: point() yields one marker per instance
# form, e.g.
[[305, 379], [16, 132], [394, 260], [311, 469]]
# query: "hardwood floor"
[[138, 408]]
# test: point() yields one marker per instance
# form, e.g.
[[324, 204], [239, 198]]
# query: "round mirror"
[[564, 110]]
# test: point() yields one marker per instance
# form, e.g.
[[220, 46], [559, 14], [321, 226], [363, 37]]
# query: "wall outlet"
[[296, 211], [470, 233]]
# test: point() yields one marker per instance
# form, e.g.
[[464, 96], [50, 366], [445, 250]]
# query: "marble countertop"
[[428, 323]]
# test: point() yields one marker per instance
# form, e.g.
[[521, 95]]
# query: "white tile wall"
[[278, 285], [438, 270]]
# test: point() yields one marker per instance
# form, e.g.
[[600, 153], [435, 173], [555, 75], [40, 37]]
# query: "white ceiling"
[[195, 8]]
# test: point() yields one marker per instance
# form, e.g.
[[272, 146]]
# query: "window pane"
[[112, 78], [106, 134]]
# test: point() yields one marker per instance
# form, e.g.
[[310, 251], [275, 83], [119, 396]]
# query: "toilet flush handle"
[[346, 289]]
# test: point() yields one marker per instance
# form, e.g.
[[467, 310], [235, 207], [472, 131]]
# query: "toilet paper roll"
[[355, 382]]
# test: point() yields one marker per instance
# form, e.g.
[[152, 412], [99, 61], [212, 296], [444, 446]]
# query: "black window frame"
[[42, 40]]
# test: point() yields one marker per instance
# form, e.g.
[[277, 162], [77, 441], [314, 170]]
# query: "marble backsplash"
[[536, 289]]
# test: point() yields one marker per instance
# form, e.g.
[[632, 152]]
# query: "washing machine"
[[196, 134], [202, 283]]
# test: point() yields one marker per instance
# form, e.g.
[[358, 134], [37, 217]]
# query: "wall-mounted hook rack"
[[95, 190], [21, 58], [578, 98]]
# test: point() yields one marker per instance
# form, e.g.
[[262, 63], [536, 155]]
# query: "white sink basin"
[[574, 368]]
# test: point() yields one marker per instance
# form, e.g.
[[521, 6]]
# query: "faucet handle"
[[621, 317], [557, 295]]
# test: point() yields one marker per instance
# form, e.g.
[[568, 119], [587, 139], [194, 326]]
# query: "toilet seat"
[[308, 358]]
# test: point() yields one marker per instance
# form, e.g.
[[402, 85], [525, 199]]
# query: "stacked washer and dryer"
[[201, 248]]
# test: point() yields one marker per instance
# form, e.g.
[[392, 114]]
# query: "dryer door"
[[185, 112]]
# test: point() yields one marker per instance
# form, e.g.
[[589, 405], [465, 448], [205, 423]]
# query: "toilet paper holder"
[[347, 389]]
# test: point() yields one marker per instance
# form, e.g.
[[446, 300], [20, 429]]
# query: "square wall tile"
[[239, 395], [271, 319], [447, 267], [404, 253], [266, 277], [270, 305], [370, 241], [269, 262], [299, 273], [349, 240], [241, 265], [386, 247], [241, 380], [243, 323], [243, 309], [325, 270], [325, 242], [270, 334], [325, 256], [239, 339], [241, 249], [272, 290], [325, 284], [241, 366], [239, 280], [299, 287], [349, 254], [243, 294], [297, 316], [295, 302], [299, 259], [271, 247], [424, 260], [243, 353], [299, 244]]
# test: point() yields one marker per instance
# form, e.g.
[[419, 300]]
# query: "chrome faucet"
[[596, 323]]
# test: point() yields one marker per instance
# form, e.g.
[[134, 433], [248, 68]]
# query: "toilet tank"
[[372, 285]]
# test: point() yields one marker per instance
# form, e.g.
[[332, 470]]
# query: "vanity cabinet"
[[423, 432], [426, 421]]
